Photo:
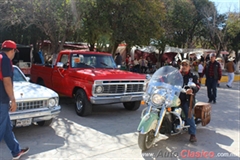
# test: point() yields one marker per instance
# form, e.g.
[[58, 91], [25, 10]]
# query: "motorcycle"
[[163, 113]]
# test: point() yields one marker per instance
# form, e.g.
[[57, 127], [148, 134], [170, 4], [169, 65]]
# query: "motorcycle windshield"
[[166, 76]]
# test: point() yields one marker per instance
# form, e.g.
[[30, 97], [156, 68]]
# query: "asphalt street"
[[110, 133]]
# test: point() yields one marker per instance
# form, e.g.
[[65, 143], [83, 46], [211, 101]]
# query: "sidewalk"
[[224, 78], [235, 86]]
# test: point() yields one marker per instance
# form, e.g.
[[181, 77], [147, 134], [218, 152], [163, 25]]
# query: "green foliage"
[[106, 23]]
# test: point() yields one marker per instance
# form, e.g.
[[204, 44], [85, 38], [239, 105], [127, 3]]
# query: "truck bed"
[[40, 72]]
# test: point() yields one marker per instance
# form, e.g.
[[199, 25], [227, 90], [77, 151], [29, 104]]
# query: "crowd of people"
[[141, 65]]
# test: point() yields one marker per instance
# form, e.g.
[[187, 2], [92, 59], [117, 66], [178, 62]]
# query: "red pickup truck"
[[90, 78]]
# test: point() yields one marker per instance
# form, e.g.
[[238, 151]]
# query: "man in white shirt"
[[200, 71]]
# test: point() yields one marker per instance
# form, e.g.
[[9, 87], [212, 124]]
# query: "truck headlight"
[[52, 102], [99, 89], [157, 99]]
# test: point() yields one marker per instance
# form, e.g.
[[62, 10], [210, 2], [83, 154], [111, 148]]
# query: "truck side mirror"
[[28, 79], [60, 64]]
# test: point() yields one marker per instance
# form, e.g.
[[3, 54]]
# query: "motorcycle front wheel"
[[145, 141]]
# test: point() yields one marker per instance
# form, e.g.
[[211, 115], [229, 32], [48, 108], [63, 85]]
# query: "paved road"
[[110, 133]]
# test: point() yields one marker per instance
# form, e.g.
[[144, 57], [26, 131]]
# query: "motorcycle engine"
[[166, 127]]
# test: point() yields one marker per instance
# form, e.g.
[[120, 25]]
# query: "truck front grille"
[[121, 87], [21, 106]]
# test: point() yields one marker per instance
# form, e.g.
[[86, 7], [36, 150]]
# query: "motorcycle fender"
[[148, 122]]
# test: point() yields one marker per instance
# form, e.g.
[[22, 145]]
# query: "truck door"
[[59, 77]]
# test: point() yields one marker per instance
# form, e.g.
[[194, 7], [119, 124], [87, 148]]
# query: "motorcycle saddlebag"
[[203, 111]]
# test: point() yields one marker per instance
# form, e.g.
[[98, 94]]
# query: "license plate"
[[23, 122], [126, 98]]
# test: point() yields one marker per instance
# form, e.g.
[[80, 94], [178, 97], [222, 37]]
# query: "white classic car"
[[35, 103]]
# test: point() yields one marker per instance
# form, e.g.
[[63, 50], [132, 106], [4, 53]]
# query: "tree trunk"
[[91, 48], [114, 48]]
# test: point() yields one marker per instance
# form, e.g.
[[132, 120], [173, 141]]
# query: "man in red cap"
[[7, 99]]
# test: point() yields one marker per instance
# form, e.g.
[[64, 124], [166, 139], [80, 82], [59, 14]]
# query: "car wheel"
[[132, 106], [45, 123], [82, 105]]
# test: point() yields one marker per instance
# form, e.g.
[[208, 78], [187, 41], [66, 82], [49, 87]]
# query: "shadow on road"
[[39, 139], [111, 119], [178, 147]]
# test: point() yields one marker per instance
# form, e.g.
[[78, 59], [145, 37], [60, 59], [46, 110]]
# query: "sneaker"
[[228, 86], [193, 138], [22, 152], [209, 101]]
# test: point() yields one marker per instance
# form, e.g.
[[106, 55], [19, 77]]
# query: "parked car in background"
[[35, 103], [91, 78]]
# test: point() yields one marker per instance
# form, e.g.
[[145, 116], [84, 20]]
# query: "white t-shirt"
[[200, 68]]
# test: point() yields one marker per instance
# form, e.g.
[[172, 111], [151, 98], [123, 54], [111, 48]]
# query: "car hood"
[[27, 90], [97, 74]]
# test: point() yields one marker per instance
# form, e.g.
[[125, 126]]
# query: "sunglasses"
[[184, 64]]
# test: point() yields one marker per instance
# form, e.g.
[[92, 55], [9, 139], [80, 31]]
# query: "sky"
[[224, 6]]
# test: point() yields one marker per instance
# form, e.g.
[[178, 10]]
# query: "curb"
[[223, 79]]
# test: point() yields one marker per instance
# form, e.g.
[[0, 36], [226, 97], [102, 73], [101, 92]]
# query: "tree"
[[134, 22], [233, 31], [57, 19]]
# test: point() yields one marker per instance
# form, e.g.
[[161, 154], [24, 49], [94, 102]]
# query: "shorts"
[[200, 75]]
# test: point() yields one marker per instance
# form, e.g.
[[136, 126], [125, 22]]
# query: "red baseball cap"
[[9, 44]]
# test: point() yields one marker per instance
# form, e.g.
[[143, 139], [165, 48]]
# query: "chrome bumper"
[[116, 99], [40, 114]]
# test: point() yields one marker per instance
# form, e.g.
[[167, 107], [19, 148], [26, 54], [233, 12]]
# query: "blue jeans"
[[230, 78], [212, 88], [6, 130], [189, 121]]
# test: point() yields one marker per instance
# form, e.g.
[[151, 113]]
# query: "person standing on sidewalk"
[[7, 99], [200, 71], [230, 70], [213, 73]]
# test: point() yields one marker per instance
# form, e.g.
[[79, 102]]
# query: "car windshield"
[[17, 75], [92, 61]]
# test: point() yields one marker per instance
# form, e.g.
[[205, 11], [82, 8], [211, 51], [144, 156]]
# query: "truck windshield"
[[17, 75], [92, 61]]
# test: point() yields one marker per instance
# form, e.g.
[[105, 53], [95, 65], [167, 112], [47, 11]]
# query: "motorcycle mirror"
[[148, 76], [191, 84]]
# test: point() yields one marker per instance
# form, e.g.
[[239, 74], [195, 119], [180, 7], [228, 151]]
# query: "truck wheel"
[[41, 82], [82, 105], [45, 123], [132, 106]]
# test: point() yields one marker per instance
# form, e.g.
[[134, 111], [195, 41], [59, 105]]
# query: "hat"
[[9, 44], [212, 55], [231, 59], [218, 59], [185, 61]]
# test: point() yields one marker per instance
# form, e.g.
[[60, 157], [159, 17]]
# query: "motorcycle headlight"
[[52, 102], [99, 89], [158, 99]]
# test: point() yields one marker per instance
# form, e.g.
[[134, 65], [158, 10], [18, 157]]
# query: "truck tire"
[[40, 82], [82, 105], [132, 106], [45, 123]]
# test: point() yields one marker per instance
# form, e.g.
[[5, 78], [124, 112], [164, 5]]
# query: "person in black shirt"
[[185, 97], [7, 99]]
